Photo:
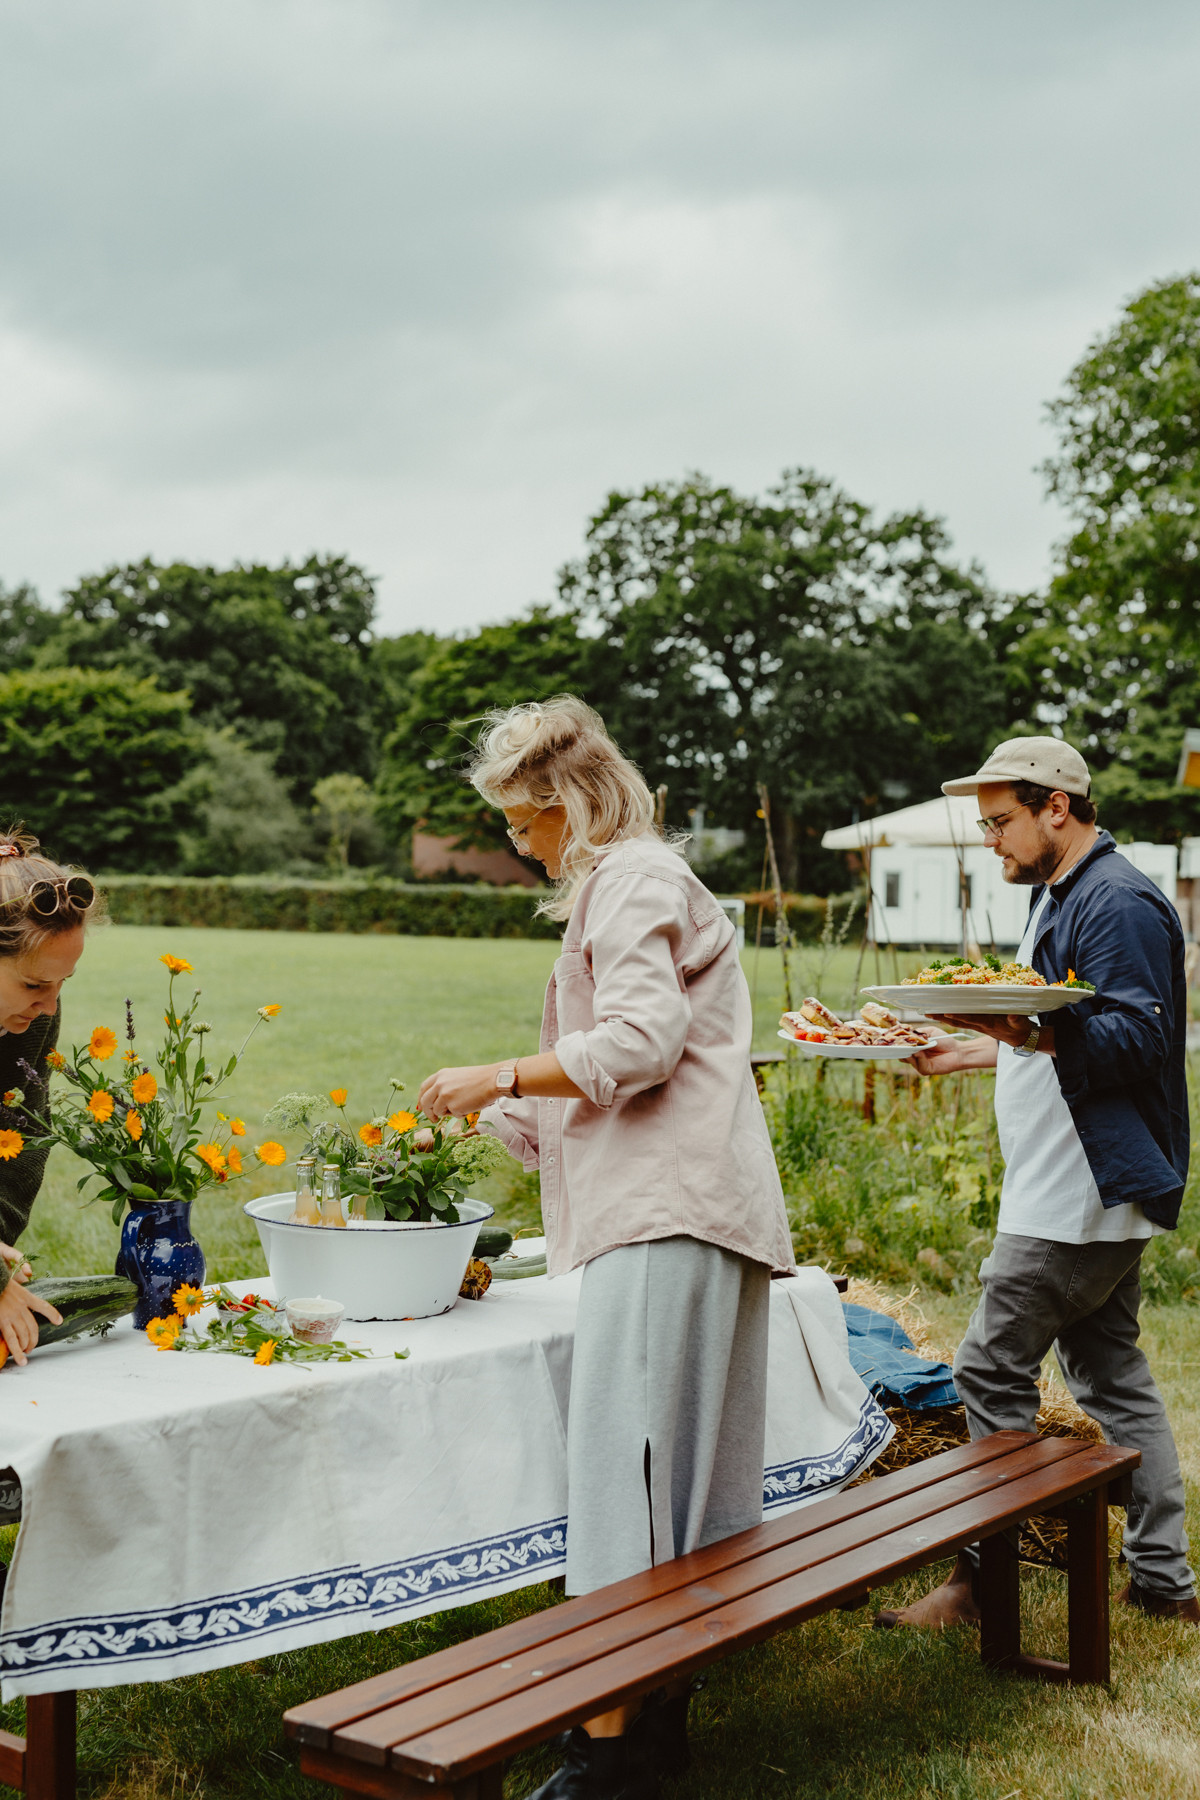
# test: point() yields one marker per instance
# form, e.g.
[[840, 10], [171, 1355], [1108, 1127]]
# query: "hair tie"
[[11, 849]]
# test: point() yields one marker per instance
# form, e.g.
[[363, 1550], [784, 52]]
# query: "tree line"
[[173, 717]]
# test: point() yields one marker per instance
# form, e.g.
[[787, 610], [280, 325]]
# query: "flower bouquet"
[[146, 1137], [398, 1165], [247, 1325]]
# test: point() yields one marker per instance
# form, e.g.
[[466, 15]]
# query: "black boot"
[[661, 1730], [603, 1768]]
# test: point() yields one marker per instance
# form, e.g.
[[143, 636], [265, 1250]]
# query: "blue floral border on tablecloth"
[[378, 1595]]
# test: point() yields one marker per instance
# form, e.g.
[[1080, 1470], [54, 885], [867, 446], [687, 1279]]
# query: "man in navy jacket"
[[1092, 1112]]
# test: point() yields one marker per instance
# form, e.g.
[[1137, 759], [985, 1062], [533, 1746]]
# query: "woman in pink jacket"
[[641, 1114]]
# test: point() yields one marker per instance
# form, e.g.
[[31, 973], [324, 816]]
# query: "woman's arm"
[[458, 1092]]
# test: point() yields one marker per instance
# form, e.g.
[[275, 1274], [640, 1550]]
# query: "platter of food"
[[876, 1034], [956, 985]]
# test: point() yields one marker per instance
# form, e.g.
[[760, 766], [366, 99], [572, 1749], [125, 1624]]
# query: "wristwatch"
[[506, 1081], [1030, 1044]]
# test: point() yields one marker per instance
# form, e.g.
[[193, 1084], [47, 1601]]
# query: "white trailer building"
[[935, 882]]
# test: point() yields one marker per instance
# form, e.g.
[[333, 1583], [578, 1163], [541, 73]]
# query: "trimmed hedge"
[[246, 903]]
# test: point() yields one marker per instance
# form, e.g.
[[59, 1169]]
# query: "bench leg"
[[999, 1603], [1087, 1600], [50, 1747]]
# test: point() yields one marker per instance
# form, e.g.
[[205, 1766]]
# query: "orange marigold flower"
[[101, 1106], [11, 1144], [188, 1300], [130, 1056], [268, 1012], [144, 1089], [266, 1352], [338, 1096], [271, 1153], [178, 965], [234, 1158], [56, 1059], [163, 1332], [402, 1121], [10, 1099], [370, 1134], [102, 1043], [133, 1125], [213, 1155], [237, 1127]]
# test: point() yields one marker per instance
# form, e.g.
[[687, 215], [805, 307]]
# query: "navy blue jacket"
[[1120, 1057]]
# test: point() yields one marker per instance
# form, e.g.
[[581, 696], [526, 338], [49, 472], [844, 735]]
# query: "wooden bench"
[[443, 1726]]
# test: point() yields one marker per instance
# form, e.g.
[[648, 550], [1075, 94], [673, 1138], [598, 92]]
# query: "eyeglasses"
[[74, 893], [516, 833], [996, 825]]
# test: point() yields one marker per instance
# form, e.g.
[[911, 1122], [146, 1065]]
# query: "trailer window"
[[891, 896]]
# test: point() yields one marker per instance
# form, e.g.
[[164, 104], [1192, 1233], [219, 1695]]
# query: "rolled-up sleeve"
[[636, 931], [515, 1123], [1126, 952]]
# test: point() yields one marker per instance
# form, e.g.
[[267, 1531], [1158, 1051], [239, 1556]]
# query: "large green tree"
[[1112, 653], [94, 763]]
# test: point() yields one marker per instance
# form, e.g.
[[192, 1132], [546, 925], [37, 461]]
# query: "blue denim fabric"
[[883, 1357], [1120, 1056]]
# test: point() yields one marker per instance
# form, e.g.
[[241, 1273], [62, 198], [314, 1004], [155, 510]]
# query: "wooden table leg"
[[1087, 1587], [999, 1603], [50, 1746]]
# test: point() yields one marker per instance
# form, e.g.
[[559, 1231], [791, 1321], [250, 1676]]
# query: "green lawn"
[[831, 1708]]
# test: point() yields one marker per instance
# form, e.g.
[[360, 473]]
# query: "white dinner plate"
[[852, 1052], [932, 998]]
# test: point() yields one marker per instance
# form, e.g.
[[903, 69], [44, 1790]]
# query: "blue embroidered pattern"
[[379, 1595]]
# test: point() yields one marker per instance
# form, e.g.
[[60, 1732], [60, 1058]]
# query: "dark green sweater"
[[21, 1176]]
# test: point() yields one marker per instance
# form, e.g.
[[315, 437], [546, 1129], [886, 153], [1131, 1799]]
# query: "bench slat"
[[483, 1737], [315, 1721], [370, 1738]]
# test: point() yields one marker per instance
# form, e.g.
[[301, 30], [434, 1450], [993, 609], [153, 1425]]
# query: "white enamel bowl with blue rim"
[[377, 1269]]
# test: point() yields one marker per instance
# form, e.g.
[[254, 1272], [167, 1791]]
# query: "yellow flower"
[[271, 1153], [234, 1157], [370, 1134], [338, 1096], [268, 1012], [213, 1155], [133, 1125], [11, 1144], [101, 1106], [188, 1300], [178, 965], [402, 1121], [102, 1043], [237, 1128], [130, 1056], [266, 1352], [163, 1332], [56, 1059], [144, 1089]]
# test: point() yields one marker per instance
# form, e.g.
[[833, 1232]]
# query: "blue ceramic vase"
[[159, 1254]]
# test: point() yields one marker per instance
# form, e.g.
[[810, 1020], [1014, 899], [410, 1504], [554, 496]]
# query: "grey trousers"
[[1082, 1299], [667, 1421]]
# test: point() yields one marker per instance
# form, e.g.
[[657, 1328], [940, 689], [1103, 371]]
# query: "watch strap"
[[1031, 1042]]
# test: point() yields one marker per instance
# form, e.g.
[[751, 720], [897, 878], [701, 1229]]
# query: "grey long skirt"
[[667, 1421]]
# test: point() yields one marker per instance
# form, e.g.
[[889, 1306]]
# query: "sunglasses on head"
[[73, 893]]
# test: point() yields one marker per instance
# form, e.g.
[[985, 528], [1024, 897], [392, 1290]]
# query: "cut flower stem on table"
[[253, 1328]]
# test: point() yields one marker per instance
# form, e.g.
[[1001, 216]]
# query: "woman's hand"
[[458, 1092], [18, 1268], [19, 1312]]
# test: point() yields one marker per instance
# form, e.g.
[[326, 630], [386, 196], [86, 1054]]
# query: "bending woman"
[[657, 1175], [44, 910]]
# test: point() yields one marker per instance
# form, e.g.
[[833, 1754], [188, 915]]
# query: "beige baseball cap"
[[1046, 760]]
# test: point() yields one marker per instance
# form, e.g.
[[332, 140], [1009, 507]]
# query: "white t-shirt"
[[1049, 1190]]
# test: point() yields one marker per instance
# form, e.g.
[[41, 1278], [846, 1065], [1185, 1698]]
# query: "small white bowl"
[[315, 1321]]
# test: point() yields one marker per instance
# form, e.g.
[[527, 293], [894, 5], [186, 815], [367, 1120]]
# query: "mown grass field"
[[831, 1708]]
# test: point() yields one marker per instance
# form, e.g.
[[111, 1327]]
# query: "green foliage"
[[416, 909], [344, 808], [241, 820], [92, 760]]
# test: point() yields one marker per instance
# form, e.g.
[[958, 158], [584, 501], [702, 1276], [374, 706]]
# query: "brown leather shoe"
[[1158, 1606]]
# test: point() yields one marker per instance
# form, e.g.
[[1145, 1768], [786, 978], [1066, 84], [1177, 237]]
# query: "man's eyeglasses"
[[73, 894], [996, 826]]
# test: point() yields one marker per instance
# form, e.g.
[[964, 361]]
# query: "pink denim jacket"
[[648, 1012]]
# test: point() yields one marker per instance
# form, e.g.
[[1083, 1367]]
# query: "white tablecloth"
[[181, 1513]]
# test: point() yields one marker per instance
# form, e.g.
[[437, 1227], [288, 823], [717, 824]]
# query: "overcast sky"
[[423, 282]]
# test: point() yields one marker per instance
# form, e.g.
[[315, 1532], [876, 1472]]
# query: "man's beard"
[[1029, 874]]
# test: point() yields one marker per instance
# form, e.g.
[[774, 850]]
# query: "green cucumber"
[[493, 1240], [86, 1302], [516, 1268]]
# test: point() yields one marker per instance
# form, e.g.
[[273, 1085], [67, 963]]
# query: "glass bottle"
[[358, 1202], [331, 1195], [306, 1211]]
